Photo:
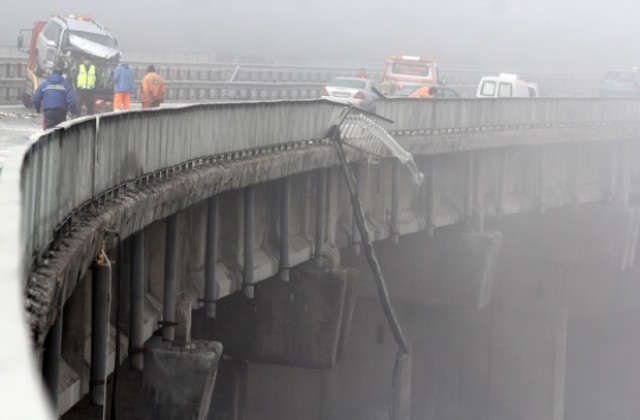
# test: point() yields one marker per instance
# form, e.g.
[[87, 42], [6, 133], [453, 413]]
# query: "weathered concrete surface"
[[178, 380], [450, 142], [51, 285], [301, 323]]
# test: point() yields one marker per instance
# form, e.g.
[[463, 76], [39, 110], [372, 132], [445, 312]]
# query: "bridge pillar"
[[170, 279], [285, 213], [248, 286], [100, 289], [178, 381], [136, 312], [210, 286]]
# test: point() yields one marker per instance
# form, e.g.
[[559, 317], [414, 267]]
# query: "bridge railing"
[[70, 167], [426, 115]]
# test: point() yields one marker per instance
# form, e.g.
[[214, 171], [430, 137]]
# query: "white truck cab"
[[506, 85]]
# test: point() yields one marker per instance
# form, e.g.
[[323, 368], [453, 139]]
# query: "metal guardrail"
[[213, 81], [426, 116], [70, 167]]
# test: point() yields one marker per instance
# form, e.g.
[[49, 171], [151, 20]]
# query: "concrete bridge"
[[159, 238]]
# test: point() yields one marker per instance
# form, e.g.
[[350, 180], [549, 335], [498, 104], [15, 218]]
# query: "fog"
[[526, 35]]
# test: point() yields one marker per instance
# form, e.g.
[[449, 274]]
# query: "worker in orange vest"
[[153, 89], [422, 92]]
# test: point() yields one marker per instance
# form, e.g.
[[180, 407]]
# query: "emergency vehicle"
[[407, 70], [66, 41]]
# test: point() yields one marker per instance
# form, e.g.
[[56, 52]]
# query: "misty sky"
[[531, 35]]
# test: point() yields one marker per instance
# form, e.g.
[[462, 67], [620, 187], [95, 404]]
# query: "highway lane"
[[17, 123]]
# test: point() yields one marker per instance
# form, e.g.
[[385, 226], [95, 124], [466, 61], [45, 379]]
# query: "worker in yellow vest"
[[86, 85]]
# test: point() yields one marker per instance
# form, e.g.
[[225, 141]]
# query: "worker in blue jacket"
[[123, 87], [55, 98]]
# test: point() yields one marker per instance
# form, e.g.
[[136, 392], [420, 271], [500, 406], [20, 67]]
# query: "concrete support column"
[[210, 285], [575, 177], [542, 180], [624, 189], [285, 216], [502, 180], [395, 203], [613, 171], [356, 241], [469, 185], [170, 279], [136, 334], [249, 239], [478, 199], [320, 218], [431, 194], [100, 288], [51, 361]]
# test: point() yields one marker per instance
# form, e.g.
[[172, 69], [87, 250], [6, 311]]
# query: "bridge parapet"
[[475, 162]]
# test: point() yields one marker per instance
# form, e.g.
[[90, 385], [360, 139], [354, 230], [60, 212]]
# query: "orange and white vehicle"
[[407, 70]]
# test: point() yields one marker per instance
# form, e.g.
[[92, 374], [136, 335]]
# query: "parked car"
[[434, 92], [361, 93], [621, 83]]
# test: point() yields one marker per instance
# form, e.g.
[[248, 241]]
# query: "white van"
[[506, 85]]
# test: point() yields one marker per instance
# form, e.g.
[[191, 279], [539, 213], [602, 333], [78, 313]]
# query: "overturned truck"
[[67, 41]]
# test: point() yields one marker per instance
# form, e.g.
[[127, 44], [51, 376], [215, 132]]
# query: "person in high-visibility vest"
[[86, 85]]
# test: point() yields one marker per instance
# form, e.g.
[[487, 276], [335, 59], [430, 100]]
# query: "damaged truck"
[[66, 41]]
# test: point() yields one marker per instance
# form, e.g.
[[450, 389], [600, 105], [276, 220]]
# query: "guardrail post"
[[542, 181], [210, 285], [468, 187], [320, 217], [51, 361], [136, 337], [613, 171], [356, 241], [100, 287], [478, 208], [249, 239], [624, 189], [285, 212], [170, 279]]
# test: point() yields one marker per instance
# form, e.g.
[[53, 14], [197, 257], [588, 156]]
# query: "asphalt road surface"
[[17, 123]]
